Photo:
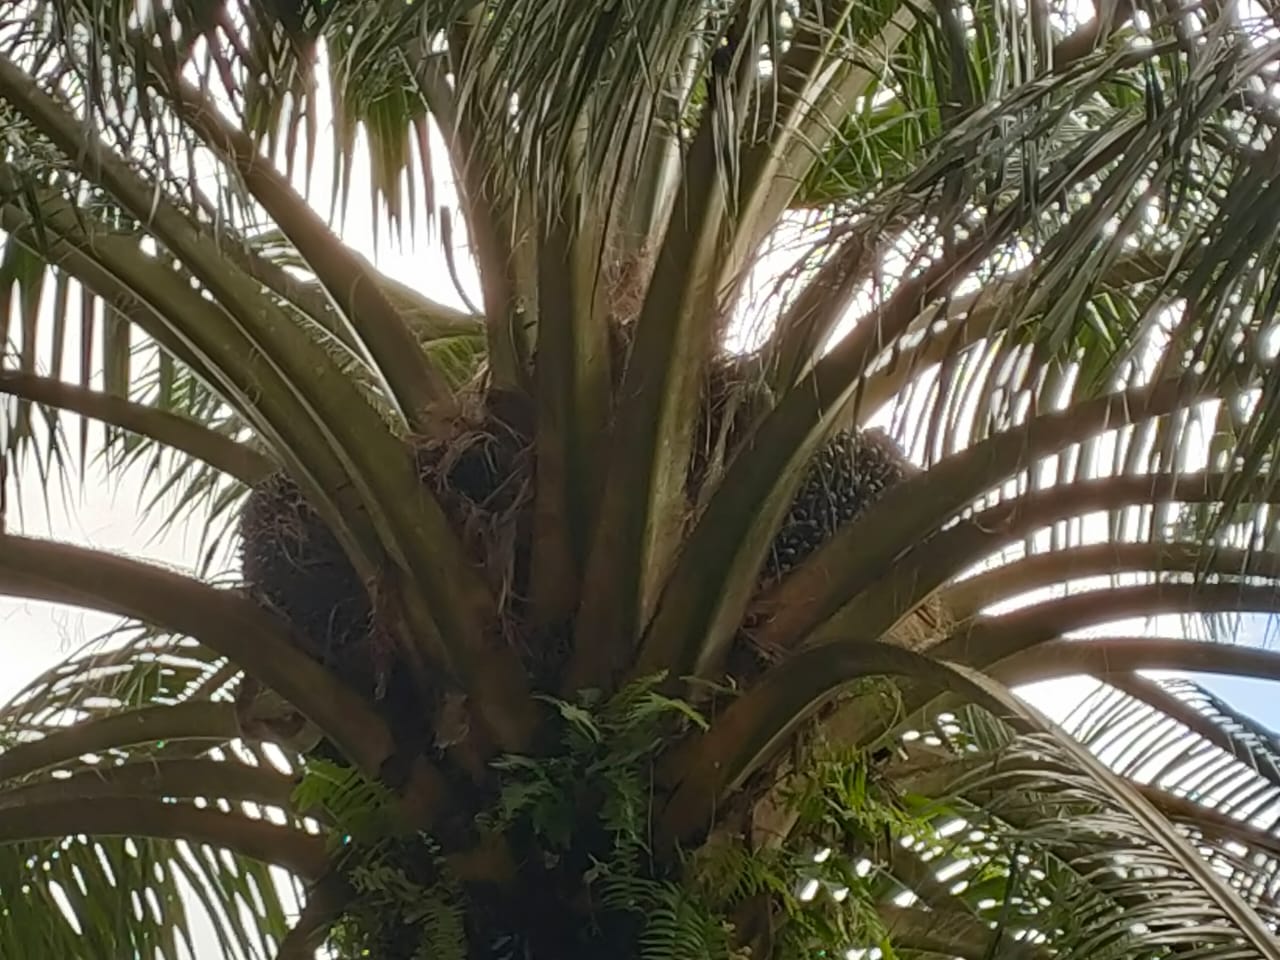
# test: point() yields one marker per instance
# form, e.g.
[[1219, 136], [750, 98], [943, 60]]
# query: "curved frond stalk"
[[988, 640], [173, 779], [1116, 657], [325, 903], [861, 721], [1218, 786], [983, 321], [972, 595], [301, 368], [97, 282], [1154, 826], [240, 630], [198, 332], [490, 210], [1043, 827], [428, 319], [813, 314], [301, 853], [232, 625], [1205, 716], [968, 139], [573, 387], [760, 714], [231, 457], [155, 381], [134, 722], [197, 720], [1195, 759], [816, 88]]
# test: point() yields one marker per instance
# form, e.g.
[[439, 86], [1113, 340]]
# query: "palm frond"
[[121, 894], [1224, 762], [1034, 846], [1000, 824]]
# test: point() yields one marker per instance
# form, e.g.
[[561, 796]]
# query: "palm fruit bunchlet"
[[850, 473]]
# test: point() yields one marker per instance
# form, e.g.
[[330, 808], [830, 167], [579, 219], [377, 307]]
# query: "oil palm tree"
[[835, 366]]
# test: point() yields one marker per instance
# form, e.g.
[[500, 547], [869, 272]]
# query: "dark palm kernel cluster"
[[850, 473], [292, 563]]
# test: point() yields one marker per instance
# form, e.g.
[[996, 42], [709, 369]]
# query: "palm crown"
[[661, 602]]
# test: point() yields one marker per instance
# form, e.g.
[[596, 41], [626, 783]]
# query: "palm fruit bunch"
[[293, 564], [846, 476]]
